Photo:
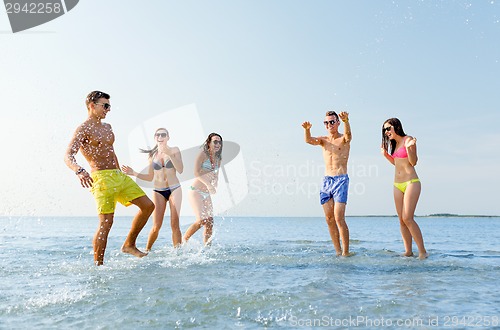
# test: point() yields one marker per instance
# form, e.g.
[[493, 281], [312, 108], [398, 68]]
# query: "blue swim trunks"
[[335, 187]]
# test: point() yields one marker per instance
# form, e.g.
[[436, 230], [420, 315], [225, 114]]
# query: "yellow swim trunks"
[[111, 186]]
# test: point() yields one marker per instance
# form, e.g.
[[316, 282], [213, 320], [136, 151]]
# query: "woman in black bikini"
[[164, 164]]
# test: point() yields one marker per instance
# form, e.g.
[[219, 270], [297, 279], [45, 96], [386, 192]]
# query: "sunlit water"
[[259, 272]]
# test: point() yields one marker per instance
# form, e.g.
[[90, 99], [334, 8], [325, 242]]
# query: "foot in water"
[[348, 254], [133, 251], [408, 254], [423, 256]]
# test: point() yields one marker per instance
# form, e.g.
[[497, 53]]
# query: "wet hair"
[[332, 113], [390, 145], [206, 145], [95, 96], [154, 151]]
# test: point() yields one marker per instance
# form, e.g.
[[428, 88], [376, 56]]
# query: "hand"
[[85, 179], [127, 170], [168, 151], [410, 142], [344, 116], [306, 125]]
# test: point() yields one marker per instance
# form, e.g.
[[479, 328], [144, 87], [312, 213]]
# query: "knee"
[[330, 220], [406, 220], [206, 222], [149, 207], [156, 228], [105, 224]]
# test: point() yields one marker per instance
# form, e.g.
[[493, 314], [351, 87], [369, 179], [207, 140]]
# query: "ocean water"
[[259, 273]]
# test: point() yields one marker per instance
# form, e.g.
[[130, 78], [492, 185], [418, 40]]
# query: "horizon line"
[[451, 215]]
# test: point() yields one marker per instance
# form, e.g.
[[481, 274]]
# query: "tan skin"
[[336, 147], [406, 202], [205, 181], [94, 139], [163, 178]]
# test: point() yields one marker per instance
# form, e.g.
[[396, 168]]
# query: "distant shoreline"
[[434, 215]]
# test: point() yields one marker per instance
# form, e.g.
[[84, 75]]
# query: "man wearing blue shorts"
[[334, 190]]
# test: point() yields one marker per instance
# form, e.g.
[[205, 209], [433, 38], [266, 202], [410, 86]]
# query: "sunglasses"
[[163, 135], [386, 129], [106, 106], [217, 142], [331, 122]]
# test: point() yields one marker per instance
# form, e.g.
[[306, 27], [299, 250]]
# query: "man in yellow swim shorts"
[[107, 182]]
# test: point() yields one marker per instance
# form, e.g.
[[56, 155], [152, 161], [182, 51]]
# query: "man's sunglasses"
[[106, 106], [331, 122], [163, 135]]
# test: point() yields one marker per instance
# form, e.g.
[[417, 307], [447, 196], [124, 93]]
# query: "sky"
[[253, 71]]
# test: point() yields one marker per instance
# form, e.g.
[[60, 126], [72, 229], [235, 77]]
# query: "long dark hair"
[[390, 145], [154, 151], [206, 146]]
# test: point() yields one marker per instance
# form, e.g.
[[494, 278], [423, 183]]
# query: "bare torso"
[[404, 171], [335, 154], [164, 177], [97, 145], [204, 176]]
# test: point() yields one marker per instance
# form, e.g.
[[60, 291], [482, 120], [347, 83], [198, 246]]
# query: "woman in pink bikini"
[[401, 151]]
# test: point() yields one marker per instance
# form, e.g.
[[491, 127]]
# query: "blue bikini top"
[[207, 165]]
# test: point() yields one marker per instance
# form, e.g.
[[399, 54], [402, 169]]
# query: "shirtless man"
[[107, 182], [333, 194]]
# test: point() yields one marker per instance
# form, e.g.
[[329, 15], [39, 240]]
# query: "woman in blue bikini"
[[206, 171], [401, 151], [164, 164]]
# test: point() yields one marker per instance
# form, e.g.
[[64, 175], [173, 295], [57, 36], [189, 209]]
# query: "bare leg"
[[207, 232], [405, 232], [202, 208], [146, 207], [158, 214], [328, 208], [196, 202], [410, 204], [208, 220], [101, 237], [339, 209], [175, 208]]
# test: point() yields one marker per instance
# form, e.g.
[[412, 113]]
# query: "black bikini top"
[[157, 165]]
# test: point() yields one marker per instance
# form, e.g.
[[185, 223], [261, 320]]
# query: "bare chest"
[[335, 146], [97, 137]]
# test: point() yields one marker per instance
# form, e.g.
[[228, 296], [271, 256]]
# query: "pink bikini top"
[[401, 152]]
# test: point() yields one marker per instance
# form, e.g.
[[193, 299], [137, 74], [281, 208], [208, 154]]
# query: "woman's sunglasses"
[[386, 129], [217, 142], [163, 135]]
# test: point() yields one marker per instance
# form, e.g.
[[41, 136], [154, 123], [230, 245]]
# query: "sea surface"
[[259, 273]]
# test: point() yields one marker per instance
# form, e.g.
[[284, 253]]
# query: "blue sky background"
[[255, 70]]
